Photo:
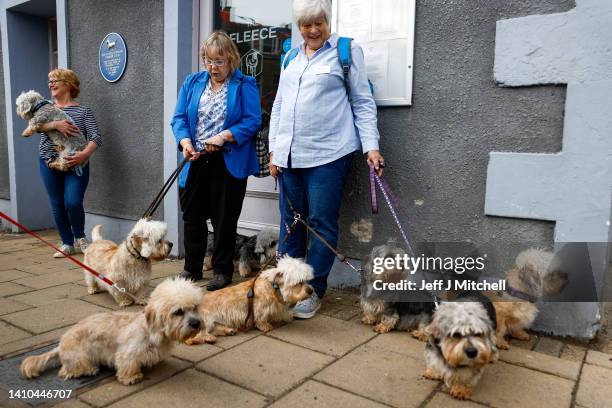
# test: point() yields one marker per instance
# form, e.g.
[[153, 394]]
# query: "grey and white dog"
[[251, 253], [32, 107]]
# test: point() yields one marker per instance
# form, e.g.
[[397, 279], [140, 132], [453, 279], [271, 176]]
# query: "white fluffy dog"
[[123, 340], [127, 264]]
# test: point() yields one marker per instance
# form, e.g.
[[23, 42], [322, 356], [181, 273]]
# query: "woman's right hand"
[[188, 150], [66, 127], [274, 170]]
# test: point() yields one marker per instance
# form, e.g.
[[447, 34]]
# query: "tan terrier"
[[275, 291], [127, 341], [129, 264], [536, 274]]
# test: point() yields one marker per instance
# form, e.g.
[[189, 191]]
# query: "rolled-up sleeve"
[[362, 101]]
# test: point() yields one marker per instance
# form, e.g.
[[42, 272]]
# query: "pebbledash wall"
[[5, 193], [437, 150]]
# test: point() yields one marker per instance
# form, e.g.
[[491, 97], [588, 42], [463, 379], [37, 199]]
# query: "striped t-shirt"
[[84, 119]]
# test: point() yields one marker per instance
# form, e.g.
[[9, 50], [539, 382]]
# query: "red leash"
[[76, 261]]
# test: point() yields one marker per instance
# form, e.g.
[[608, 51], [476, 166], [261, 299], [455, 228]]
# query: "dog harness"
[[520, 294], [278, 296]]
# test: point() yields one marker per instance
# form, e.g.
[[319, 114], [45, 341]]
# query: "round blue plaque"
[[112, 57]]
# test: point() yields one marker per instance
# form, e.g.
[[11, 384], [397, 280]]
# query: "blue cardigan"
[[242, 118]]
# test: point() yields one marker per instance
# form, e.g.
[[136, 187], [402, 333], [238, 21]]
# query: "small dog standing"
[[536, 274], [461, 343], [124, 340], [127, 264], [31, 106], [275, 291], [386, 315]]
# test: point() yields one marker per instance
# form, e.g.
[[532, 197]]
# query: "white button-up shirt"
[[312, 118]]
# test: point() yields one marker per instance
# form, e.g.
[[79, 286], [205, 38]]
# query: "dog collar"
[[39, 105], [520, 294], [133, 251]]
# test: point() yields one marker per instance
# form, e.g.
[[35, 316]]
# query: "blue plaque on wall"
[[112, 57]]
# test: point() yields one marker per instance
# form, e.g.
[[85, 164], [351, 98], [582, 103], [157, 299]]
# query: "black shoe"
[[218, 282], [191, 276]]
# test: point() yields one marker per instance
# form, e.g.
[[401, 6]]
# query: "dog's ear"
[[554, 283], [432, 330], [141, 246], [150, 316]]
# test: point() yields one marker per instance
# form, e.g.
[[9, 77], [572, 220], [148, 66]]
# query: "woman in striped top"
[[66, 189]]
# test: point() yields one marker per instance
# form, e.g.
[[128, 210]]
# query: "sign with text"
[[112, 57]]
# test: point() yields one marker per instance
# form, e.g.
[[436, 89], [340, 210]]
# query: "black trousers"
[[211, 192]]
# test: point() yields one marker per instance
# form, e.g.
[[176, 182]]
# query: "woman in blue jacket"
[[217, 115]]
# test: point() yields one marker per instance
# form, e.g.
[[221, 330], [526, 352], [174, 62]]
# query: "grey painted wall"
[[437, 151], [128, 170], [4, 168]]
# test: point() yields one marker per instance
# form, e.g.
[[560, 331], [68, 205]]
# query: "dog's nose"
[[170, 244], [309, 290], [194, 323], [471, 352]]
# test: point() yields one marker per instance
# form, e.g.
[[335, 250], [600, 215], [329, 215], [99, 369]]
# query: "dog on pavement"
[[274, 292], [127, 341], [129, 263], [32, 107]]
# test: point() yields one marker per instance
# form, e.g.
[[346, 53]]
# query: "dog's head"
[[464, 333], [148, 238], [172, 310], [266, 244], [538, 273], [292, 276], [26, 102]]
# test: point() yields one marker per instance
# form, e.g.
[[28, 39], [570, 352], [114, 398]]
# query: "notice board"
[[385, 31]]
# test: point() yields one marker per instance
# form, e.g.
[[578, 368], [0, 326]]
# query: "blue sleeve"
[[250, 121], [180, 120], [362, 101]]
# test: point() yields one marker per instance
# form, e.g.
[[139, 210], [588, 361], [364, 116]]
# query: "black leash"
[[164, 190]]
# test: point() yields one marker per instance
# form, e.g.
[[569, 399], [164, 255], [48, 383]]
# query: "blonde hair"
[[69, 77], [310, 10], [224, 45]]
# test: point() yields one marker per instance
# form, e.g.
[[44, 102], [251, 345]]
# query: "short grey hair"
[[308, 10]]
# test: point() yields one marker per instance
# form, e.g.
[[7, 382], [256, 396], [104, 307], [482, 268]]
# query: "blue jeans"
[[315, 193], [66, 192]]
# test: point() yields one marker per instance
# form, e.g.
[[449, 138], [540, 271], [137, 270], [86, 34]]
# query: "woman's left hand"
[[214, 144], [77, 159], [374, 158]]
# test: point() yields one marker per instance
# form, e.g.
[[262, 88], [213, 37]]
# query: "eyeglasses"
[[55, 81], [217, 63]]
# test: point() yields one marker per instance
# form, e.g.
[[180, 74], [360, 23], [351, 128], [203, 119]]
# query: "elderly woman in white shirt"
[[315, 128]]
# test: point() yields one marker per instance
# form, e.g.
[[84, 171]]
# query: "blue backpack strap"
[[290, 56], [344, 56]]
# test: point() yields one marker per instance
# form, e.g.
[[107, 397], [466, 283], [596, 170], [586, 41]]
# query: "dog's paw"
[[368, 320], [264, 326], [521, 335], [430, 374], [125, 303], [229, 331], [502, 344], [382, 328], [419, 335], [141, 301], [93, 291], [460, 391], [130, 380]]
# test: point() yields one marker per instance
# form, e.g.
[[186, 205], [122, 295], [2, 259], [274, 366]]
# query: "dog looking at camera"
[[536, 274], [32, 107], [127, 341], [127, 264], [275, 291], [410, 316], [461, 343]]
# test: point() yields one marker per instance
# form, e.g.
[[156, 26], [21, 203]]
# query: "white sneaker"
[[69, 249], [81, 244]]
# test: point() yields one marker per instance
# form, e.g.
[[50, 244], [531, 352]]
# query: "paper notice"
[[389, 19], [355, 21], [376, 55]]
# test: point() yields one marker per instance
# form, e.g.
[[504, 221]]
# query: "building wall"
[[437, 150], [4, 168], [127, 171]]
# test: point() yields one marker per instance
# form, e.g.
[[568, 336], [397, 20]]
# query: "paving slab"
[[193, 389], [52, 279], [50, 295], [315, 394], [339, 311], [442, 400], [49, 266], [52, 316], [549, 346], [71, 403], [195, 353], [599, 359], [542, 362], [113, 391], [227, 342], [380, 374], [10, 306], [573, 352], [12, 274], [507, 386], [324, 334], [266, 365], [527, 345], [102, 299], [399, 342], [594, 390], [11, 288], [10, 333], [30, 342], [165, 269]]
